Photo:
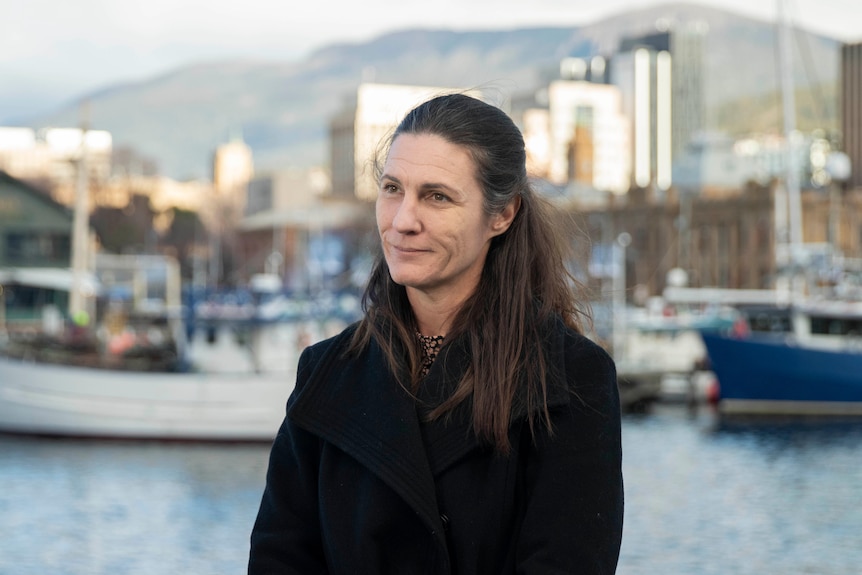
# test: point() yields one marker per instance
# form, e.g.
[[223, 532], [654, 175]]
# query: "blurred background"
[[187, 201]]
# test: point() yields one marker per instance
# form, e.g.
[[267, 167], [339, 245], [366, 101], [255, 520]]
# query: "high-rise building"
[[851, 109], [357, 132], [643, 77], [661, 76]]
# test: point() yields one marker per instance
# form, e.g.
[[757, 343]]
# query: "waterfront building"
[[724, 240], [35, 231], [35, 252]]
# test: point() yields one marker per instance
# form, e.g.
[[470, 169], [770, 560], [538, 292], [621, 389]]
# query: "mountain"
[[282, 110]]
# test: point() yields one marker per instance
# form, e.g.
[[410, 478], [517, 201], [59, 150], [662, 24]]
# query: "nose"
[[406, 218]]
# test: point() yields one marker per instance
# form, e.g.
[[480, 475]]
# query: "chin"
[[404, 275], [406, 281]]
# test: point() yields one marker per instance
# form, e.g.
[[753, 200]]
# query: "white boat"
[[147, 380], [51, 399], [235, 390]]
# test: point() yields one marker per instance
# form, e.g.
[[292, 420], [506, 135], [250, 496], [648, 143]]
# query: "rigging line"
[[778, 96], [802, 40]]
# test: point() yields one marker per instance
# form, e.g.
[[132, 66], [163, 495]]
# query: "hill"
[[282, 109]]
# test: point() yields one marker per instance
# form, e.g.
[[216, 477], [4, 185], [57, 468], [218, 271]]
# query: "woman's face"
[[434, 232]]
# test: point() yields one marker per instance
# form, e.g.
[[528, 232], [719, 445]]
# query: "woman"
[[464, 425]]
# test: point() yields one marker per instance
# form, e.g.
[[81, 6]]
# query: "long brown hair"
[[524, 284]]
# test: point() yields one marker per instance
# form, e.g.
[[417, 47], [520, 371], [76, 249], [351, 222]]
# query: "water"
[[701, 498], [705, 497], [86, 507]]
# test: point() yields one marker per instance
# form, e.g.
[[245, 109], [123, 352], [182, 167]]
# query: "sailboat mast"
[[80, 227], [788, 98]]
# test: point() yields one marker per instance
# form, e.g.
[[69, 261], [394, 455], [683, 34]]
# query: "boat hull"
[[59, 400], [774, 376]]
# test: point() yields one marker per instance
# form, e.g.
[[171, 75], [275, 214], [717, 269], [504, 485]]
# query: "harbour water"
[[702, 497]]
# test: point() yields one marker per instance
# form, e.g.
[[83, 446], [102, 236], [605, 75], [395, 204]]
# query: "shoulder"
[[322, 355], [586, 370], [570, 346], [586, 353]]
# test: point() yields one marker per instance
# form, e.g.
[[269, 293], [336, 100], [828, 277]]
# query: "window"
[[836, 326], [37, 248]]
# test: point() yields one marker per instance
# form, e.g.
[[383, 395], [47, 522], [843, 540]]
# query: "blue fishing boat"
[[803, 355], [813, 369]]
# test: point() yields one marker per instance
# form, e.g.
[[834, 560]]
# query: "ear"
[[501, 221]]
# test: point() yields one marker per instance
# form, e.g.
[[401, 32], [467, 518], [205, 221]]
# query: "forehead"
[[429, 154]]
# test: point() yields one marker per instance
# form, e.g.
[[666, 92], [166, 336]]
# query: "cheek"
[[380, 216], [475, 234]]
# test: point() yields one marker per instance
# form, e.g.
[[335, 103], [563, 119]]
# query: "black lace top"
[[431, 345]]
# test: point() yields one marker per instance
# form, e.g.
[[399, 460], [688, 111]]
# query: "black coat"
[[358, 485]]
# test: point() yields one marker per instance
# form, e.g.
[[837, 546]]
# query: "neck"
[[433, 315]]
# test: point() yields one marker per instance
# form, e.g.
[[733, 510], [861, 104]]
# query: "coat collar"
[[356, 404], [450, 438]]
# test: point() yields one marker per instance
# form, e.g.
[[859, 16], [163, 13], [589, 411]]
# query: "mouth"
[[406, 249]]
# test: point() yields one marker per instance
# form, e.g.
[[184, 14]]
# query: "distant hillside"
[[816, 107], [283, 110]]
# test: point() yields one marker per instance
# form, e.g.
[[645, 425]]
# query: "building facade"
[[35, 252], [35, 231], [588, 138], [726, 241], [851, 109]]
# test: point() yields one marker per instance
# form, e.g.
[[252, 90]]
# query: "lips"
[[406, 249]]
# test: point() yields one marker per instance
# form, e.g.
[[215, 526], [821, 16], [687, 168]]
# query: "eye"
[[439, 197], [388, 188]]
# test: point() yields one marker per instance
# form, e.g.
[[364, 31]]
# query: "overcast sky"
[[77, 45]]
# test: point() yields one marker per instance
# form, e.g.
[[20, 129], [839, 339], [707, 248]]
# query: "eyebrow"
[[425, 186]]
